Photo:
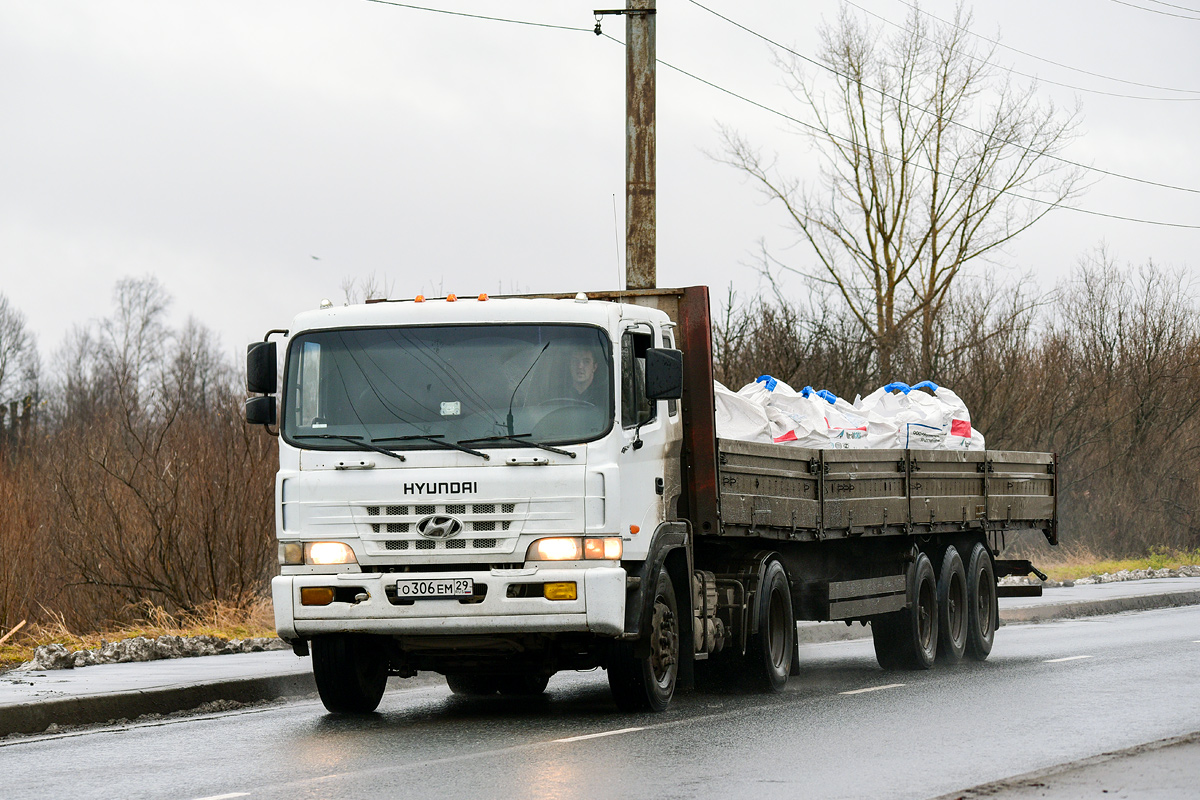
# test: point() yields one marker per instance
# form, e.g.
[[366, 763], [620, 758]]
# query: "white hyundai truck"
[[497, 489]]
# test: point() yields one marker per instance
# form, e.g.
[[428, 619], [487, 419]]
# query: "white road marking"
[[229, 796], [874, 688], [1068, 658], [596, 735]]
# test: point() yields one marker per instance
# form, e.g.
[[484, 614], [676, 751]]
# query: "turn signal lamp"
[[419, 298], [327, 553], [291, 553], [560, 591], [316, 595], [608, 549], [450, 298], [482, 296]]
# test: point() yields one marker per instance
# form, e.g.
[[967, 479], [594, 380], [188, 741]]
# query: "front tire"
[[647, 683], [523, 685], [472, 685], [350, 671]]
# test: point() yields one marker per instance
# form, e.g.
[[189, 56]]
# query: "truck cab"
[[472, 486]]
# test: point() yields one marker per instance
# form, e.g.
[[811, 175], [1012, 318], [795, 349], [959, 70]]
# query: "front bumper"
[[599, 607]]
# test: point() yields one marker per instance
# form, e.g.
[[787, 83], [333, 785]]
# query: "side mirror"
[[261, 410], [261, 374], [664, 374]]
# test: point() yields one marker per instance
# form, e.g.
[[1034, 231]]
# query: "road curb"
[[822, 632], [1094, 608], [37, 716]]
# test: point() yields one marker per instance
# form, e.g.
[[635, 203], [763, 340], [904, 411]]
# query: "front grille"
[[400, 520]]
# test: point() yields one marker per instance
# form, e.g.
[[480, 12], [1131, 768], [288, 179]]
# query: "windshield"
[[418, 388]]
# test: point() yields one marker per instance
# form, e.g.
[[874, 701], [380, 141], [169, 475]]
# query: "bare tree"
[[368, 288], [18, 352], [132, 340], [931, 158]]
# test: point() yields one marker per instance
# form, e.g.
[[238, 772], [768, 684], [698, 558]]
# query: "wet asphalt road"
[[1050, 694]]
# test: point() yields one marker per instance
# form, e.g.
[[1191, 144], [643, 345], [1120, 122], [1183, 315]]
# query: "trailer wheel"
[[952, 608], [523, 685], [769, 652], [647, 683], [350, 672], [469, 685], [908, 638], [983, 612]]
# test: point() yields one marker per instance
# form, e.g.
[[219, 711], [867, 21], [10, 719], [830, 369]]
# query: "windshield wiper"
[[436, 438], [519, 438], [354, 440]]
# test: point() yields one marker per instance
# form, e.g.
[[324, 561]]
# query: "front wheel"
[[647, 682], [350, 672]]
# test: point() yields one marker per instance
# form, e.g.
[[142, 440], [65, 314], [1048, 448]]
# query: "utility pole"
[[640, 269]]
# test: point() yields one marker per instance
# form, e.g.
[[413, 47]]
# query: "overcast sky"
[[253, 154]]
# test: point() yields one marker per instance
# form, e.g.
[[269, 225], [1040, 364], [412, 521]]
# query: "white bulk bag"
[[960, 435], [740, 418]]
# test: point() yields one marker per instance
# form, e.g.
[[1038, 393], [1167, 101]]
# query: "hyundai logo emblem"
[[439, 526]]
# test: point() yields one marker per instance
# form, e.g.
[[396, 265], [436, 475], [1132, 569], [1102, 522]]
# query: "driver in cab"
[[584, 386]]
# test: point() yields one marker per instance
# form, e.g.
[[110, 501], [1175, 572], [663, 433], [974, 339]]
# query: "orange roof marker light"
[[482, 296], [419, 298], [450, 298]]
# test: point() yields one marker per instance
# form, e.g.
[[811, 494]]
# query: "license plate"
[[423, 589]]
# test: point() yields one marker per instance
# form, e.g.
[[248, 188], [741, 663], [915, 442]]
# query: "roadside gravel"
[[1189, 571], [140, 648]]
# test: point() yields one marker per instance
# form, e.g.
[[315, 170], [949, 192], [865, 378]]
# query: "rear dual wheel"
[[908, 638], [769, 652], [952, 595], [983, 611]]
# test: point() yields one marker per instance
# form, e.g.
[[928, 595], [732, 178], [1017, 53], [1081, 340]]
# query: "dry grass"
[[1082, 563], [222, 620]]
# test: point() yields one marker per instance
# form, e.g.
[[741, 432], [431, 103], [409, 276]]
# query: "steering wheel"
[[567, 402]]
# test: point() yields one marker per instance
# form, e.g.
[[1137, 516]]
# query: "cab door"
[[647, 436]]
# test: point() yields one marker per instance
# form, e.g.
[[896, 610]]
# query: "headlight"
[[562, 548], [326, 553], [574, 548]]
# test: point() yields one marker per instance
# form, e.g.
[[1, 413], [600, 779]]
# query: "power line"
[[920, 10], [810, 126], [949, 121], [480, 16], [1156, 11], [1172, 5], [1070, 86]]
